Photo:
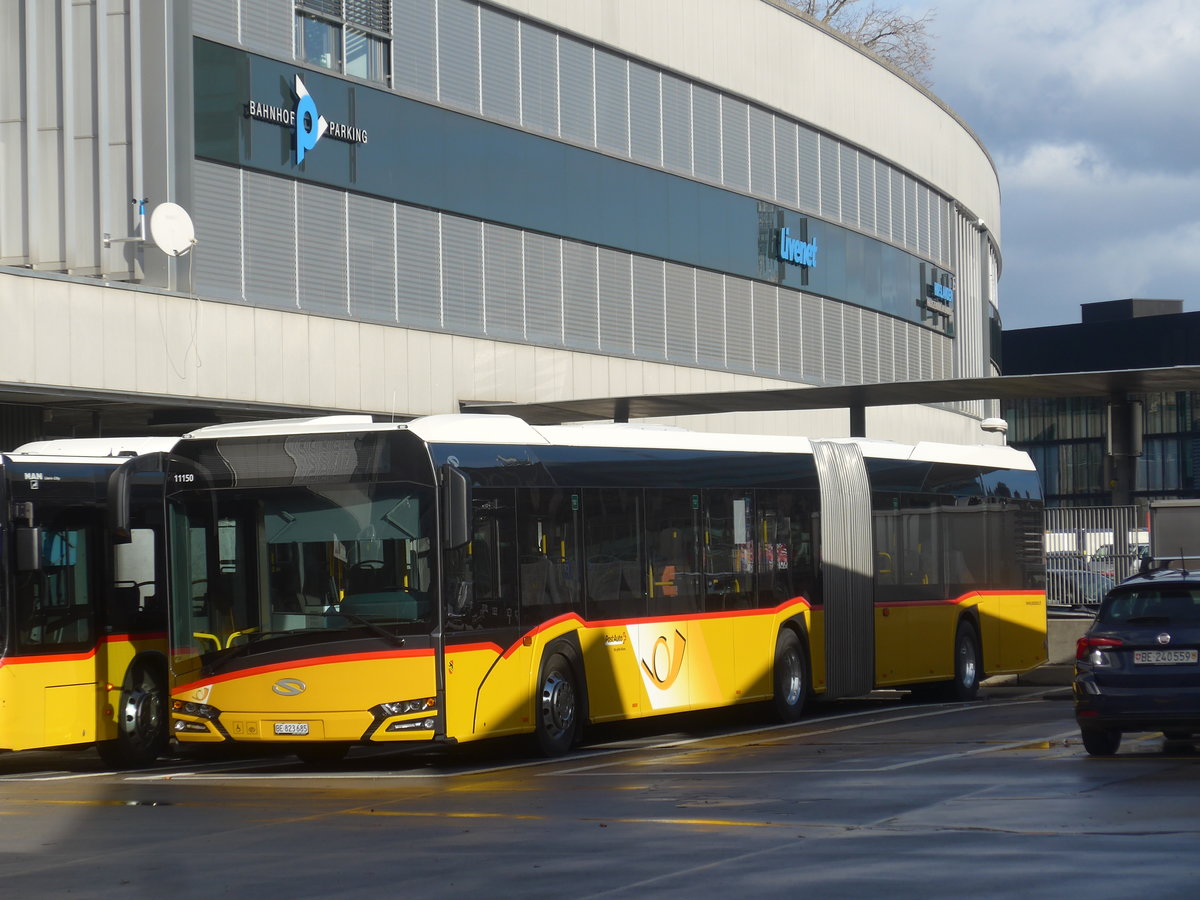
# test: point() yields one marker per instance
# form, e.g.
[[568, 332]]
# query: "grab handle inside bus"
[[456, 507]]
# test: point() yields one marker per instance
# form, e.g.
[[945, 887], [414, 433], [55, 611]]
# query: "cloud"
[[1088, 108]]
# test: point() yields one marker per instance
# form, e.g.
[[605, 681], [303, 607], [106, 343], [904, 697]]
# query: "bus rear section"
[[82, 628]]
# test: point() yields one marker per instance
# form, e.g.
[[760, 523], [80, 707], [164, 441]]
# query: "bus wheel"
[[558, 706], [791, 676], [968, 663], [321, 754], [141, 721]]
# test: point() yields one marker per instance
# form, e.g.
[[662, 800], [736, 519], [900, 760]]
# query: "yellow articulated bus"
[[340, 582], [83, 623]]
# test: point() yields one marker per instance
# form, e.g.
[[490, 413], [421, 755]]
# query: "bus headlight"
[[198, 710], [412, 725], [405, 707]]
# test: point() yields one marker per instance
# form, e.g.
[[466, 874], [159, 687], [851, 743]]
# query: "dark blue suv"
[[1138, 666]]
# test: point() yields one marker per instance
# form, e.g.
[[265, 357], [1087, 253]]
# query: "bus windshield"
[[305, 564]]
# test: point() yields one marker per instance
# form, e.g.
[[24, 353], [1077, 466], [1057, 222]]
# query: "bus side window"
[[672, 543], [480, 576], [615, 566], [548, 544]]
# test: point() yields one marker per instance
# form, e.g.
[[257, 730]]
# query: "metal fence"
[[1088, 550]]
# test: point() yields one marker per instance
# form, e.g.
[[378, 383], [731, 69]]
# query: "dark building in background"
[[1068, 437]]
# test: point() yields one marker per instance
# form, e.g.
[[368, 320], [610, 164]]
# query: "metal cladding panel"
[[270, 240], [458, 54], [831, 178], [321, 238], [414, 47], [418, 268], [846, 569], [681, 313], [833, 340], [762, 152], [706, 133], [268, 28], [577, 87], [924, 220], [867, 207], [790, 344], [852, 347], [615, 297], [735, 143], [911, 216], [812, 336], [897, 207], [765, 318], [649, 315], [217, 211], [739, 348], [612, 102], [462, 277], [677, 123], [885, 350], [869, 346], [787, 173], [539, 79], [372, 259], [581, 324], [503, 283], [499, 65], [710, 318], [216, 19], [645, 114], [543, 289], [808, 150], [848, 181], [883, 201]]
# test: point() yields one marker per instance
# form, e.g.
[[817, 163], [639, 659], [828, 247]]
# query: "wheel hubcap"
[[792, 681], [558, 705], [966, 658], [140, 715]]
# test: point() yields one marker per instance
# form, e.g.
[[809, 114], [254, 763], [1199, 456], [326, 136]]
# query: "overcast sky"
[[1091, 111]]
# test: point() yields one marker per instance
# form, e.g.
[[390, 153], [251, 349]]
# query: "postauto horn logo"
[[309, 125]]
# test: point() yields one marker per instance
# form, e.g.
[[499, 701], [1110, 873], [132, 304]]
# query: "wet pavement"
[[881, 797]]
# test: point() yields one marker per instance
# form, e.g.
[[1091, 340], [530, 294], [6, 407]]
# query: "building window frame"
[[351, 37]]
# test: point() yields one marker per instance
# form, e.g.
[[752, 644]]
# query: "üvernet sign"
[[796, 251]]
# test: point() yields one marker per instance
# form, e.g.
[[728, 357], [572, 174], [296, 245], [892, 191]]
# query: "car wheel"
[[1100, 741], [557, 706], [791, 676]]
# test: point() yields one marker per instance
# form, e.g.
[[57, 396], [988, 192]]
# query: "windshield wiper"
[[390, 637]]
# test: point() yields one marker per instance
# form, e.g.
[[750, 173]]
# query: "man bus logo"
[[665, 661], [289, 687]]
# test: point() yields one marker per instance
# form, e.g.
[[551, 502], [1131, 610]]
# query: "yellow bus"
[[83, 631], [341, 582]]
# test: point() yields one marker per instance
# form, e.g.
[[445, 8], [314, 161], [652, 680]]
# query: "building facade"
[[1068, 437], [402, 205]]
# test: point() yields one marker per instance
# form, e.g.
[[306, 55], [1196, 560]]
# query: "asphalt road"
[[881, 798]]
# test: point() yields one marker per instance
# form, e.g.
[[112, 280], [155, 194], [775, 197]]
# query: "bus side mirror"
[[456, 508], [29, 549], [120, 488]]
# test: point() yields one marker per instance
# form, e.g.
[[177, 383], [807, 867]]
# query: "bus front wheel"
[[968, 663], [557, 706], [141, 720], [791, 676]]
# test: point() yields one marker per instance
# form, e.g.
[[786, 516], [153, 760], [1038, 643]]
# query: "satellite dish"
[[171, 229]]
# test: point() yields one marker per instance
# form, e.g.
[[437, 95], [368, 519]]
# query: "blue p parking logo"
[[310, 125]]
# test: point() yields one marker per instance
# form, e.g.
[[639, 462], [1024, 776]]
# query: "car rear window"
[[1152, 605]]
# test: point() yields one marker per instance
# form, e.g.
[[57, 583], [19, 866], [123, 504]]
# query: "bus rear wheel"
[[791, 676], [557, 706], [141, 720]]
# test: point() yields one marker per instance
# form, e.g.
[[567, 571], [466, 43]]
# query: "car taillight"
[[1089, 649]]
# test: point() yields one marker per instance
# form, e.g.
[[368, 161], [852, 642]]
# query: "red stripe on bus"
[[304, 664]]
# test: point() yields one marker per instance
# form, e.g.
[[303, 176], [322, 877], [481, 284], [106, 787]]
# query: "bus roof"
[[486, 428]]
